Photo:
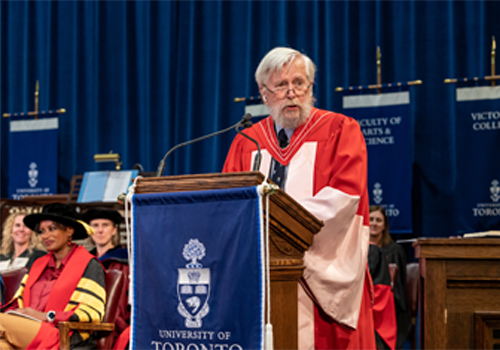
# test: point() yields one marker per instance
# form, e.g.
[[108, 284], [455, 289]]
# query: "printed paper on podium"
[[105, 186]]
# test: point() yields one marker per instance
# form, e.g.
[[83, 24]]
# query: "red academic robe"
[[327, 174], [48, 335]]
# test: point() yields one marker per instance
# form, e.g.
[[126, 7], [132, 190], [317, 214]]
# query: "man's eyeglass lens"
[[282, 91]]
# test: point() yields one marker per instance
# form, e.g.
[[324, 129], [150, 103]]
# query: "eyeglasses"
[[299, 89]]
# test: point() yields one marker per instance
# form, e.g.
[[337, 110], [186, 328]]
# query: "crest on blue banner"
[[377, 193], [386, 125], [495, 191], [193, 285], [197, 270]]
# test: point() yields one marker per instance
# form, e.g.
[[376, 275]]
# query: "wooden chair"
[[412, 277], [103, 330], [12, 280]]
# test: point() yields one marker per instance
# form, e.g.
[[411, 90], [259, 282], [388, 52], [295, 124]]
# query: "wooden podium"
[[291, 233], [459, 294]]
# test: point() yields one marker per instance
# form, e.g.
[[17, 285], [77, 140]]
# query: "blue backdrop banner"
[[33, 157], [386, 124], [197, 270], [478, 168]]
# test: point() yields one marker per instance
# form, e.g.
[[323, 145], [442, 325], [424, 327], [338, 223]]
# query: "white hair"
[[276, 59]]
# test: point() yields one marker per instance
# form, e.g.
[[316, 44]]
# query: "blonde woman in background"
[[20, 246]]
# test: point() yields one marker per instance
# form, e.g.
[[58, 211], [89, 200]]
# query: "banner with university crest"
[[477, 202], [386, 125], [197, 273], [33, 159]]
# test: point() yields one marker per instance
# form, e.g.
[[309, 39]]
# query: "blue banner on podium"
[[197, 273], [477, 205], [33, 157], [386, 125]]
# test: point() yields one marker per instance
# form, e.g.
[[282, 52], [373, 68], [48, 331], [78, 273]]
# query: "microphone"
[[244, 121], [256, 161]]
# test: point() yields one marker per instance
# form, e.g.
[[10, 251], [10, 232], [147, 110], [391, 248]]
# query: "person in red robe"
[[67, 284], [319, 158]]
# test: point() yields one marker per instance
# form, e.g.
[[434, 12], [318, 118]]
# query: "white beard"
[[277, 112]]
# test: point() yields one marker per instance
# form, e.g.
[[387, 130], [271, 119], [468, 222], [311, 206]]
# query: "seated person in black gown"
[[106, 224], [379, 236]]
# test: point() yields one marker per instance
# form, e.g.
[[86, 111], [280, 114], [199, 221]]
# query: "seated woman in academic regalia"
[[67, 284], [393, 253], [106, 224]]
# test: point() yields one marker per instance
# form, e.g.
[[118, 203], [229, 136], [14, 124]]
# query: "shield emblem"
[[193, 291]]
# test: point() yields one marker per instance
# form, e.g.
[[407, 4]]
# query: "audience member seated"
[[67, 284], [106, 239], [379, 235], [20, 245], [106, 225], [384, 313]]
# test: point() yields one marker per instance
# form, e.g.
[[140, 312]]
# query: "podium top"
[[296, 215], [461, 248], [198, 182]]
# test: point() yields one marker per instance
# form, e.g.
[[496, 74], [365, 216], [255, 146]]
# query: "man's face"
[[289, 110]]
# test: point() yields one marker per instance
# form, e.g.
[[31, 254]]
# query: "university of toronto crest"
[[193, 285], [33, 175], [495, 191], [377, 193]]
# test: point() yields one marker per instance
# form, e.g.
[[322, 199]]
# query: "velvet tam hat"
[[62, 213], [97, 213]]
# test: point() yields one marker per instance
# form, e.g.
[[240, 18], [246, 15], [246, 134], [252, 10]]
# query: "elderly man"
[[319, 158]]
